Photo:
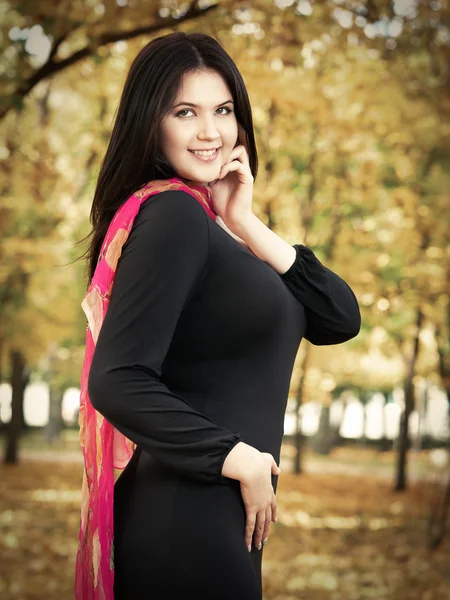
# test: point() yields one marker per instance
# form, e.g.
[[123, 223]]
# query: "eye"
[[179, 114], [229, 110]]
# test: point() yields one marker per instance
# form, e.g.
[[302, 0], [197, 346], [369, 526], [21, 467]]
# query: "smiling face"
[[210, 124]]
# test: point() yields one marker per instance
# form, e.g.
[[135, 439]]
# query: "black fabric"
[[331, 308], [196, 354]]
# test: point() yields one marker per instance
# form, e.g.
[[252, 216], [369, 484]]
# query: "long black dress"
[[195, 354]]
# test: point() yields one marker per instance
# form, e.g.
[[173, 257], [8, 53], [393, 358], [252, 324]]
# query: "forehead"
[[204, 87]]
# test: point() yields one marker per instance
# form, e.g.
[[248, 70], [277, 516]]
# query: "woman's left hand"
[[232, 192]]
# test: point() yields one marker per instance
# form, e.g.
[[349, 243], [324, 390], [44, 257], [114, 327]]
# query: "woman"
[[193, 359]]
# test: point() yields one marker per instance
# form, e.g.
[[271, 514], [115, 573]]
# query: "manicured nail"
[[265, 541], [260, 546], [249, 547], [276, 520]]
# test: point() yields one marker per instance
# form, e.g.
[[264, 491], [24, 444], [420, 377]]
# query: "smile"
[[206, 156]]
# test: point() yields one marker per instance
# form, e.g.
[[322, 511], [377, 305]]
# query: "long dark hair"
[[133, 157]]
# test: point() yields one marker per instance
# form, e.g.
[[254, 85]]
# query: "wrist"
[[244, 225], [238, 460]]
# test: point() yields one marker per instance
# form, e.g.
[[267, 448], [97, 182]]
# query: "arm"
[[331, 308], [163, 261]]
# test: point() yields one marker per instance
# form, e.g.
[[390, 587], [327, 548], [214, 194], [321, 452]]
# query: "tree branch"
[[51, 67]]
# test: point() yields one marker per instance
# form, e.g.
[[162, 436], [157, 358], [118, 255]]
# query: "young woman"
[[190, 353]]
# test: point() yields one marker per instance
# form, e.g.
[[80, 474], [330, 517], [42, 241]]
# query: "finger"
[[235, 165], [243, 154], [274, 508], [239, 152], [249, 528], [259, 528], [266, 531], [275, 468], [239, 149]]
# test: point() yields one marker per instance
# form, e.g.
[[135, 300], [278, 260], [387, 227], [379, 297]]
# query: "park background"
[[351, 109]]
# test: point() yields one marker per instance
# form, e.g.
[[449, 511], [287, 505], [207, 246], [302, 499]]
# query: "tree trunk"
[[364, 397], [15, 426], [401, 482], [384, 443], [298, 438], [322, 441], [2, 366], [55, 423], [336, 436]]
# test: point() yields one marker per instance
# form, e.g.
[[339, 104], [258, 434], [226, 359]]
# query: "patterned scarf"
[[104, 447]]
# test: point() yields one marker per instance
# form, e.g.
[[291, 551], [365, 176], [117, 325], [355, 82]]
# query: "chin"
[[200, 180]]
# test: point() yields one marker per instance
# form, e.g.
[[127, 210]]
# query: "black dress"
[[195, 354]]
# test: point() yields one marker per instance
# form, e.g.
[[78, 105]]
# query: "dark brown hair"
[[133, 156]]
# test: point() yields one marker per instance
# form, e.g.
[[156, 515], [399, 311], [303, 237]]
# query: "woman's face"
[[210, 124]]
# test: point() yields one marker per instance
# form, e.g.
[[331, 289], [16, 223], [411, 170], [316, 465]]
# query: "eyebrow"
[[196, 105]]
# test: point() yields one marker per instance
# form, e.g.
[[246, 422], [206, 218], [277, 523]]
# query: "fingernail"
[[260, 546], [276, 520], [249, 547], [265, 541]]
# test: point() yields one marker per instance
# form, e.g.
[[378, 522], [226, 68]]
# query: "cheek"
[[178, 142], [171, 140]]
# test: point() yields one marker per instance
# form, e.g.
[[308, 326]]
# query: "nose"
[[208, 129]]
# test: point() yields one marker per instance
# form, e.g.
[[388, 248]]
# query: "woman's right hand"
[[254, 470]]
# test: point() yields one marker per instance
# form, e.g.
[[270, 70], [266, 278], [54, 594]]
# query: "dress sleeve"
[[331, 309], [162, 263]]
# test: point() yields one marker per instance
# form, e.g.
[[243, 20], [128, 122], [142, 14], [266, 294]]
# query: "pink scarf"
[[104, 448]]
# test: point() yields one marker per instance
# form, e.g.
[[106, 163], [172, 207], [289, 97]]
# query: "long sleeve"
[[331, 309], [162, 263]]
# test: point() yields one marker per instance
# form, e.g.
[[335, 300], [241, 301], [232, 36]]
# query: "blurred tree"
[[19, 380], [59, 37]]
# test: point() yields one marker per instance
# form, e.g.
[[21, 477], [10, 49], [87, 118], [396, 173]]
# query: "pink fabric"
[[104, 448]]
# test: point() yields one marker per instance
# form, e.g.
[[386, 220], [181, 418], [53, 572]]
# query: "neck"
[[195, 183]]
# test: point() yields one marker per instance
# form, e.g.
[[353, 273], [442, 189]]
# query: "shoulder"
[[168, 216], [173, 206]]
